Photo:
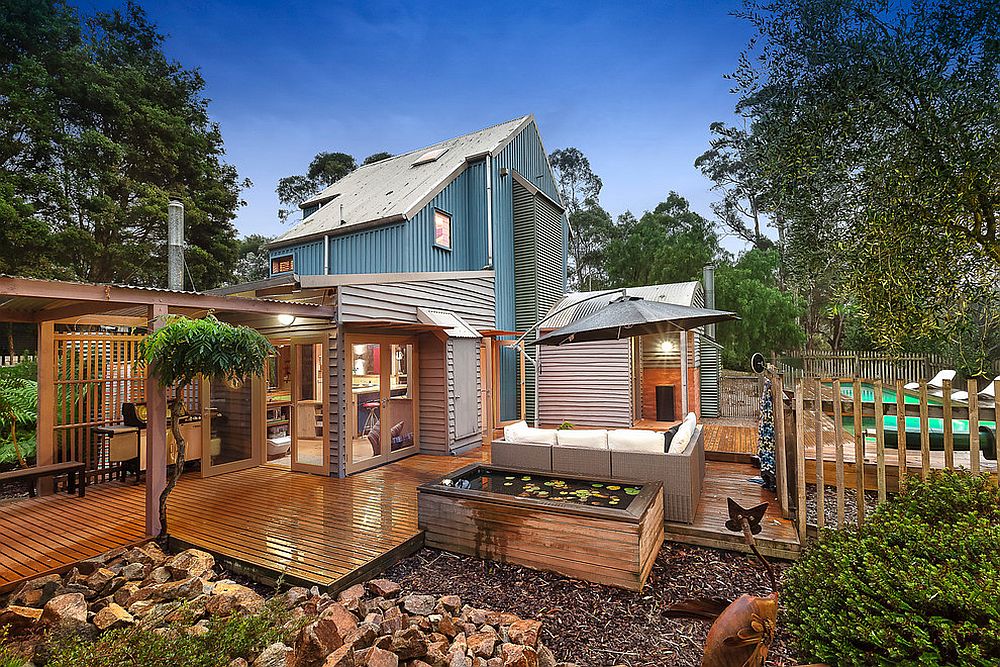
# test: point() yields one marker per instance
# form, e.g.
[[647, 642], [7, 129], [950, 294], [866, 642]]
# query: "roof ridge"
[[428, 147]]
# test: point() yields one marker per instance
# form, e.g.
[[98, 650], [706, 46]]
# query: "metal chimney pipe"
[[175, 245]]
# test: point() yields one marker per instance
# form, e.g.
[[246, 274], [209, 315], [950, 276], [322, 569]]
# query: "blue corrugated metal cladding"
[[409, 246]]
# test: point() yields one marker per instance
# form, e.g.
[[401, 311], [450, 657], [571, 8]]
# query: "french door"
[[382, 410], [309, 448], [231, 426]]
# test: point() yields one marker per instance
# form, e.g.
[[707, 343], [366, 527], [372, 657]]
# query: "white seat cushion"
[[522, 434], [583, 438], [635, 440], [683, 435]]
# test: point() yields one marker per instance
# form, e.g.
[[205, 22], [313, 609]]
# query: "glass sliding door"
[[382, 424], [308, 413]]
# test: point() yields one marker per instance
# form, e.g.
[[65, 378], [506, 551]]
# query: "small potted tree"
[[185, 349]]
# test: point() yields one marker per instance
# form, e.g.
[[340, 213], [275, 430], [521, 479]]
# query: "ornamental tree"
[[185, 349]]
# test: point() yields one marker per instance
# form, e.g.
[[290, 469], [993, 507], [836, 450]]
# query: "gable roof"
[[396, 188], [578, 306]]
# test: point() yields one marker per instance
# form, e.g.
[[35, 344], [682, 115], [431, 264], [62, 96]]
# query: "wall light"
[[286, 320], [667, 346]]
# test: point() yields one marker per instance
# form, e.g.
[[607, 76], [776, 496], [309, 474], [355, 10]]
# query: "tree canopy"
[[875, 129], [769, 316], [98, 130]]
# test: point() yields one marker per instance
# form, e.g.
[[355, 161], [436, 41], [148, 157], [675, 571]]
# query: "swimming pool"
[[935, 425]]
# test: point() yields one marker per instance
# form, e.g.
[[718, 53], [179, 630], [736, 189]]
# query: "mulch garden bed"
[[598, 625]]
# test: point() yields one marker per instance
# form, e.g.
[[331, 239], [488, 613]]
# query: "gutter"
[[378, 222]]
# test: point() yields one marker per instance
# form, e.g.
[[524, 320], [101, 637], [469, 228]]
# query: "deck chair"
[[936, 382], [990, 391]]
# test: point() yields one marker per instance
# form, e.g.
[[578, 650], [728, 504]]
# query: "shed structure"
[[621, 382]]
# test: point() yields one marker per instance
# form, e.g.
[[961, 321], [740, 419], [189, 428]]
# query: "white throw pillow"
[[522, 434], [634, 440], [583, 438], [683, 435]]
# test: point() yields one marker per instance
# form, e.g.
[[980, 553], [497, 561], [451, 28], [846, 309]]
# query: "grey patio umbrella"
[[633, 316]]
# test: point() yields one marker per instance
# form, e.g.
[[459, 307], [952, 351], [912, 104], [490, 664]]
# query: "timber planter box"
[[608, 532]]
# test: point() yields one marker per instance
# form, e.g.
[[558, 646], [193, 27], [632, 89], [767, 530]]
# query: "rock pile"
[[367, 625]]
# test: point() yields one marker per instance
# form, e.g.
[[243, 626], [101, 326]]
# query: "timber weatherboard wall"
[[587, 384], [471, 298]]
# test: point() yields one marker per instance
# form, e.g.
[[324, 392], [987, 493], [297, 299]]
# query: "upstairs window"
[[282, 264], [442, 229]]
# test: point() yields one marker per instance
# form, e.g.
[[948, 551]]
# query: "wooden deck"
[[319, 530], [778, 536], [726, 439]]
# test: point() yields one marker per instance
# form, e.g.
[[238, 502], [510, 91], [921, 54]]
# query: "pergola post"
[[156, 435], [45, 452]]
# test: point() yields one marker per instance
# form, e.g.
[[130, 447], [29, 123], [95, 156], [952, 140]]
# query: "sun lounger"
[[935, 382], [989, 391]]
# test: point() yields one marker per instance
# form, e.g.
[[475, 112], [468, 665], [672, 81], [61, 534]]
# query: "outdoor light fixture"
[[667, 346], [286, 320]]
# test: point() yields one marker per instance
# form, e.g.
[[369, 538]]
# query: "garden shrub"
[[918, 584], [229, 638]]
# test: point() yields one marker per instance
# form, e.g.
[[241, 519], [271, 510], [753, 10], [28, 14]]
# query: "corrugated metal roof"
[[391, 189], [683, 294], [453, 324]]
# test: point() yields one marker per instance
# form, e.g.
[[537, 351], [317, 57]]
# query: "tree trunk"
[[177, 410]]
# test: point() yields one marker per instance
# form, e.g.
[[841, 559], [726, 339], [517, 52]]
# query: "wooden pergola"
[[47, 303]]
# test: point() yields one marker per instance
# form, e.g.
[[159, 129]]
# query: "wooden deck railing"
[[833, 432]]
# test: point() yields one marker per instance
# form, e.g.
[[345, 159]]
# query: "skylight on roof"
[[430, 156]]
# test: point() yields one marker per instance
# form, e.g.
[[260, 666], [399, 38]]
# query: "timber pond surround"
[[603, 531]]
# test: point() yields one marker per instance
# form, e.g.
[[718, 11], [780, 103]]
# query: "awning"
[[452, 324]]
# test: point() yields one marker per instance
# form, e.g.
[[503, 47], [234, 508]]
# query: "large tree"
[[727, 163], [580, 189], [669, 244], [769, 316], [876, 126], [98, 130]]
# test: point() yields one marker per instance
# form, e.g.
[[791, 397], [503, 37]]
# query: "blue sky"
[[633, 85]]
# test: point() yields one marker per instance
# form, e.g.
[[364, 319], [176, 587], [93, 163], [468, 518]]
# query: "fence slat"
[[902, 463], [949, 436], [820, 485], [838, 425], [777, 387], [925, 434], [973, 425], [859, 453], [800, 457], [880, 441]]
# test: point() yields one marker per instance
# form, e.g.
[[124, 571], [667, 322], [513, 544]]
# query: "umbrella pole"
[[684, 374]]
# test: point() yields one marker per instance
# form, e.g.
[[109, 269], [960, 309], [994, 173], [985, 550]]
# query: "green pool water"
[[935, 425]]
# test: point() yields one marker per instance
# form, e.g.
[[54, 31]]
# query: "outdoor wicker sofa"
[[582, 454]]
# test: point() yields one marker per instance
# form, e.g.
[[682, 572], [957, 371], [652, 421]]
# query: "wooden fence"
[[819, 441], [739, 395], [95, 372], [846, 363]]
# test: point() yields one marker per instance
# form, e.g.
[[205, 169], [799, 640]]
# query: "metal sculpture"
[[743, 630]]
